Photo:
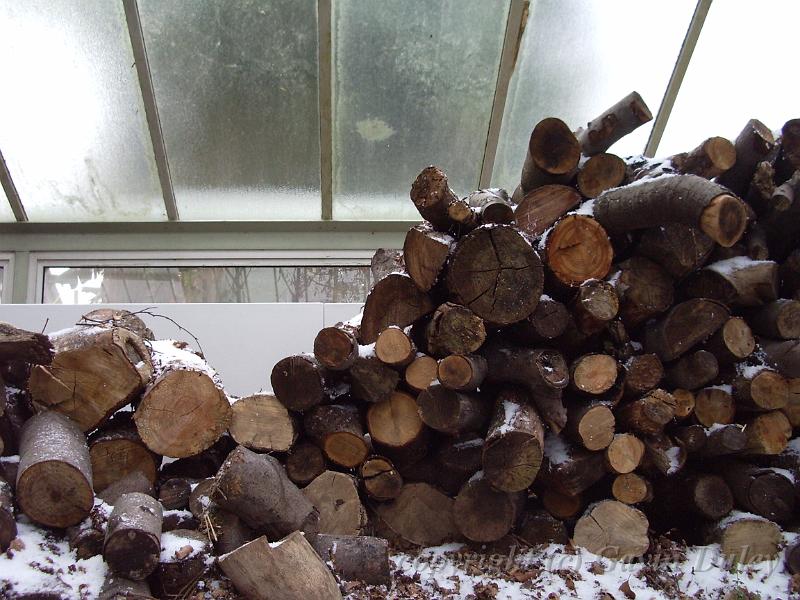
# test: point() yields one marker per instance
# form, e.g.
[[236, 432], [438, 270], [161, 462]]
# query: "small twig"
[[147, 311]]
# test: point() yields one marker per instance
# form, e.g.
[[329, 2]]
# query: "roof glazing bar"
[[11, 191]]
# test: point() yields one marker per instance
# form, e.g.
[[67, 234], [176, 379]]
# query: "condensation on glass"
[[741, 69], [6, 214], [236, 87], [413, 85], [303, 283], [579, 57], [72, 126]]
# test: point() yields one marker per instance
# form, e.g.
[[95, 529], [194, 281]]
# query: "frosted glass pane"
[[413, 86], [741, 69], [314, 283], [6, 214], [72, 126], [236, 87], [579, 57]]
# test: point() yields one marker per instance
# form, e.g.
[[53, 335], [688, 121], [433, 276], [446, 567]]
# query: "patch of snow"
[[674, 455], [556, 449], [172, 547], [367, 351], [730, 265], [167, 355]]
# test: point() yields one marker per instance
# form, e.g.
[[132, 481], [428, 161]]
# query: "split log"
[[484, 514], [298, 382], [421, 515], [736, 282], [95, 372], [613, 529], [600, 173], [569, 470], [595, 304], [452, 412], [686, 199], [335, 496], [693, 371], [632, 488], [783, 356], [26, 346], [624, 454], [355, 558], [540, 208], [394, 300], [752, 146], [338, 431], [684, 326], [462, 372], [288, 568], [761, 491], [745, 539], [764, 390], [614, 124], [380, 479], [135, 481], [394, 347], [779, 319], [336, 348], [577, 249], [714, 405], [649, 414], [372, 380], [493, 205], [732, 342], [593, 374], [679, 249], [304, 462], [261, 423], [553, 155], [539, 527], [117, 450], [185, 558], [512, 452], [709, 160], [8, 526], [396, 428], [768, 433], [547, 322], [54, 465], [488, 269], [643, 372], [590, 424], [133, 540], [255, 487], [644, 289], [174, 493], [422, 371], [120, 588], [425, 251]]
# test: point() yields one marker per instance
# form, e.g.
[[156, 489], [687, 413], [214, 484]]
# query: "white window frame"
[[7, 264], [39, 261]]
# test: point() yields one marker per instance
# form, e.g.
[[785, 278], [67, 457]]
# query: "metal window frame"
[[7, 265], [39, 261]]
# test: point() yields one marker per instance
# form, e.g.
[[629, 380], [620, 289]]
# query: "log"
[[768, 433], [337, 430], [298, 382], [431, 194], [386, 261], [624, 454], [255, 487], [396, 427], [135, 481], [732, 342], [394, 347], [8, 526], [684, 403], [540, 208], [304, 462], [54, 465], [789, 156], [95, 372], [484, 514], [714, 405], [200, 466], [493, 205], [613, 530], [87, 537], [26, 346], [179, 519], [709, 160], [784, 195], [452, 412], [537, 527], [613, 124], [425, 251], [683, 327], [590, 424], [752, 146], [355, 558], [421, 515], [693, 371], [174, 493], [632, 488], [185, 558], [120, 588], [489, 267], [764, 390], [394, 300], [115, 317], [117, 451], [782, 355], [335, 496], [642, 373], [691, 437], [595, 305], [569, 470], [464, 217], [792, 558], [422, 371], [600, 173], [649, 414], [679, 249], [335, 348], [133, 539], [577, 249], [372, 380], [380, 479], [260, 422], [17, 411], [723, 440], [644, 289], [761, 491], [779, 319], [553, 155], [736, 282], [264, 571], [746, 539], [663, 456], [702, 494], [593, 374], [512, 452], [686, 199], [562, 506], [547, 322], [462, 372], [792, 408]]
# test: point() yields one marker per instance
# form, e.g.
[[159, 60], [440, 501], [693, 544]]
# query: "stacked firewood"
[[608, 354]]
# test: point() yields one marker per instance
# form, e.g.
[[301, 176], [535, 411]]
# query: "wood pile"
[[606, 355]]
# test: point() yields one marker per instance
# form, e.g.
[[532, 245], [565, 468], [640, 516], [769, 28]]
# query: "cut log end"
[[578, 249], [613, 530], [724, 220]]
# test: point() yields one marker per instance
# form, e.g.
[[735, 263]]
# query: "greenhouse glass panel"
[[6, 214], [413, 86], [578, 58], [236, 89], [72, 126], [738, 44]]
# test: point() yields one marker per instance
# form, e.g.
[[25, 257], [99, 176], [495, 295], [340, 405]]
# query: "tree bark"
[[683, 327], [761, 491], [120, 588], [431, 194], [600, 173], [394, 300], [594, 306], [789, 156], [540, 208], [709, 160], [590, 424], [547, 322], [133, 540], [117, 450], [765, 390], [615, 123], [26, 346], [736, 282], [493, 205], [649, 414], [779, 319], [644, 290], [355, 558], [783, 356], [452, 412], [8, 526], [337, 430], [693, 371], [569, 470], [752, 146], [372, 380], [134, 481], [538, 527]]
